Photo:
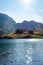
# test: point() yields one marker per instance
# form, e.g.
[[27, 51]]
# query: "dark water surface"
[[21, 51]]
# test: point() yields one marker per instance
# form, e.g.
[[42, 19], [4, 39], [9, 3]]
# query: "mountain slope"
[[7, 23], [30, 25]]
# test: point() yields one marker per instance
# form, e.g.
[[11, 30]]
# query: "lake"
[[21, 51]]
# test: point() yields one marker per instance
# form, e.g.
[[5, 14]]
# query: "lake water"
[[21, 51]]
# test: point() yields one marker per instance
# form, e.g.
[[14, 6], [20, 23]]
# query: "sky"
[[21, 10]]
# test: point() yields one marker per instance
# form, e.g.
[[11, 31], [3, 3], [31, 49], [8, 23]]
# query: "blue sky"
[[21, 10]]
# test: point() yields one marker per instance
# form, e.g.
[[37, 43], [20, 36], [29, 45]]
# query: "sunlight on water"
[[21, 52], [31, 40], [29, 52]]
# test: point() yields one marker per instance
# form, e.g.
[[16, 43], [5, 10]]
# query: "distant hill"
[[7, 24], [30, 25]]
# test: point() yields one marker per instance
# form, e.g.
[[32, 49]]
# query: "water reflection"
[[21, 52]]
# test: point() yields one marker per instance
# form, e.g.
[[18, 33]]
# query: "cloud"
[[38, 18], [25, 16]]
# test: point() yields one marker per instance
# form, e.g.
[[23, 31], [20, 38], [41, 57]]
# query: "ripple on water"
[[20, 52]]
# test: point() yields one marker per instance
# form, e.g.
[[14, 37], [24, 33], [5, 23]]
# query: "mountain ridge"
[[30, 25], [8, 24]]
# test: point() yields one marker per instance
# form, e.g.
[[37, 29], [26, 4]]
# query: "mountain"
[[30, 25], [7, 23]]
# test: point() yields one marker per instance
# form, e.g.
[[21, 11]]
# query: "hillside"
[[7, 23], [30, 25], [9, 28], [21, 33]]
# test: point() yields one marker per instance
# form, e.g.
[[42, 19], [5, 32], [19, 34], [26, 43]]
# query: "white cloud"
[[25, 16], [37, 18]]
